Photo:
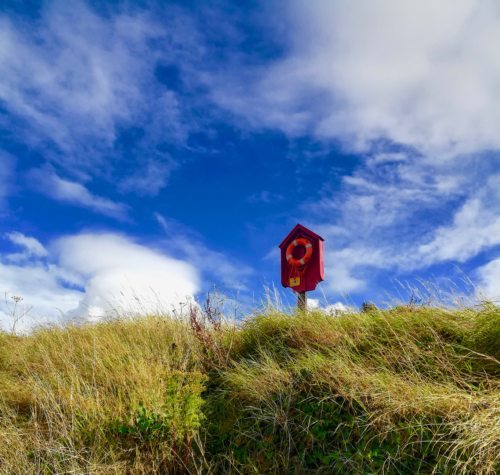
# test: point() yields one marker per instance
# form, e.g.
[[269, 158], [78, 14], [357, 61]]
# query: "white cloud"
[[424, 74], [489, 281], [436, 60], [45, 298], [122, 276], [344, 263], [90, 275], [313, 303], [50, 184], [338, 308], [474, 228], [412, 85], [31, 247], [334, 309]]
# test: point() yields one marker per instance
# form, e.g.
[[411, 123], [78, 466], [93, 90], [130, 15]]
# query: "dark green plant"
[[174, 423]]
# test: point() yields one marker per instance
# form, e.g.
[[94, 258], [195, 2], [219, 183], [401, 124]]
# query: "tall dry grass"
[[74, 399], [406, 390]]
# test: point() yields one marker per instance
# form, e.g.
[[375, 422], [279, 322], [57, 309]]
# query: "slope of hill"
[[406, 390]]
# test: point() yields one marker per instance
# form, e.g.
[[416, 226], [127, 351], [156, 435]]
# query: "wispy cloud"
[[149, 180], [217, 266], [75, 81], [475, 227], [75, 78], [265, 196], [49, 183], [30, 246], [6, 178]]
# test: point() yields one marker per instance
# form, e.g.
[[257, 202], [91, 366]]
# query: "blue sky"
[[153, 150]]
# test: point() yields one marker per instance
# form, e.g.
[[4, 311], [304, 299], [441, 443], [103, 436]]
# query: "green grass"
[[406, 390]]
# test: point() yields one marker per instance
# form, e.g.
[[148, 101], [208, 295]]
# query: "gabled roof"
[[295, 230]]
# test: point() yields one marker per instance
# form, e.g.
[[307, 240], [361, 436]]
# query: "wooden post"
[[302, 301]]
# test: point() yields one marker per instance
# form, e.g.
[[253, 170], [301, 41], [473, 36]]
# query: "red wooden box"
[[302, 278]]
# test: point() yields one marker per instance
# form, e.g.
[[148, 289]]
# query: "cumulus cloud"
[[91, 275], [344, 262], [422, 75], [123, 276]]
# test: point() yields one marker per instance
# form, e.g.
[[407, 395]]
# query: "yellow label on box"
[[294, 281]]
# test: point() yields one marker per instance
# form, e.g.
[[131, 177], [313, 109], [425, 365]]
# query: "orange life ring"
[[305, 258]]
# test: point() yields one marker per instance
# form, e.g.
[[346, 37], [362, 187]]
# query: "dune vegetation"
[[405, 390]]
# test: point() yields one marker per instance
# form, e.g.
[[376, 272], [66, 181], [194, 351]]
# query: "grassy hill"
[[406, 390]]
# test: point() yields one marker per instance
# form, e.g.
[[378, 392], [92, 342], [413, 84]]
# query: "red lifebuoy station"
[[302, 262]]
